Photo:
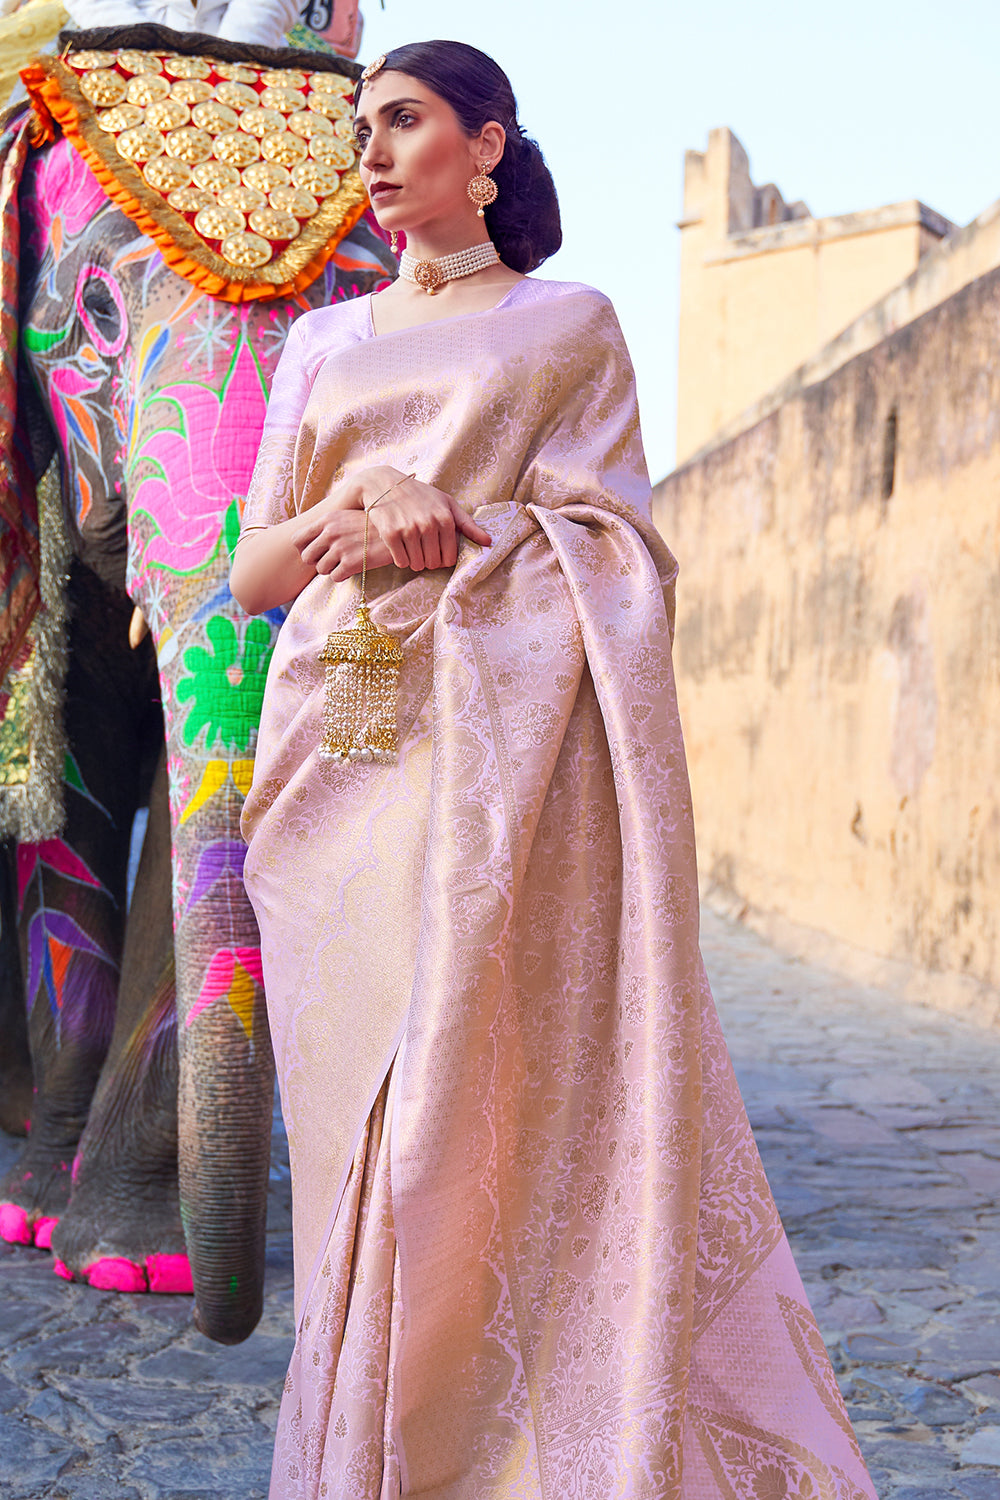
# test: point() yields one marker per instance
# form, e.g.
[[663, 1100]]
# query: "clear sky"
[[847, 107]]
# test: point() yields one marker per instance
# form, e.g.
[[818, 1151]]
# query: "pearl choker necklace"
[[430, 274]]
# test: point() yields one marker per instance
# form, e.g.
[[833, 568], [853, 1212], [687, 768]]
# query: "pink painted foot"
[[14, 1226], [116, 1274], [169, 1273], [62, 1269], [43, 1232]]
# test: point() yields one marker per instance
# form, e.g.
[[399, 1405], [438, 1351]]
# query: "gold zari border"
[[57, 100]]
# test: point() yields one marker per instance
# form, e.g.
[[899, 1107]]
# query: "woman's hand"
[[333, 543], [419, 526], [415, 526]]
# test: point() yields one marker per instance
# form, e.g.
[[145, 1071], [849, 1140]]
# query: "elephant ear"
[[20, 552], [33, 555]]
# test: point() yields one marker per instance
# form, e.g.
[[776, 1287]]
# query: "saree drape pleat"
[[536, 1253]]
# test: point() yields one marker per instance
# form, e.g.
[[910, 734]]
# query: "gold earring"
[[393, 242], [483, 190]]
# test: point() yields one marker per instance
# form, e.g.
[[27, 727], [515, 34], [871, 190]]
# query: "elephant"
[[150, 1119]]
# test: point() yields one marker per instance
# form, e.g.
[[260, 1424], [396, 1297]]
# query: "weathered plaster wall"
[[764, 285], [838, 653]]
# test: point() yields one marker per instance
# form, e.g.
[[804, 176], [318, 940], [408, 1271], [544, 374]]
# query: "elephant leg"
[[15, 1056], [122, 1229], [72, 890]]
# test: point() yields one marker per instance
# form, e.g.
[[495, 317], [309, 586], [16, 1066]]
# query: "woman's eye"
[[403, 118]]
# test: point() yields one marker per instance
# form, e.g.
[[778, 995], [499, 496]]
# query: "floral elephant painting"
[[148, 1036]]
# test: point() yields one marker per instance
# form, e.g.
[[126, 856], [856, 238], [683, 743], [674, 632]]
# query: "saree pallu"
[[536, 1253]]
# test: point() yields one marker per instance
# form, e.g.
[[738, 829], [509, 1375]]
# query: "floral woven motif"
[[245, 175]]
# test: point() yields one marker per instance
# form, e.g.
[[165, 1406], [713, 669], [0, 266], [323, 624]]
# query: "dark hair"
[[523, 223]]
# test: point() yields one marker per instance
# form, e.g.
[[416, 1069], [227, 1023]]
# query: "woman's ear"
[[492, 139]]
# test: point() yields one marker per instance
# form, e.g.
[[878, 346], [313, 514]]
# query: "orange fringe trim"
[[54, 104]]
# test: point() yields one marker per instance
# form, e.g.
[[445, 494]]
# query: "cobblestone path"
[[879, 1124]]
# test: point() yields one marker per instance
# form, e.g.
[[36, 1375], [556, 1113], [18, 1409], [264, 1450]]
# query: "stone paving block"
[[936, 1406], [125, 1405], [983, 1447], [847, 1127], [100, 1344], [884, 1089], [232, 1467], [94, 1482], [20, 1319], [977, 1486], [261, 1361], [40, 1456], [908, 1453]]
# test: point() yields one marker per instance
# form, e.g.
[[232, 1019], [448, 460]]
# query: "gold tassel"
[[362, 681]]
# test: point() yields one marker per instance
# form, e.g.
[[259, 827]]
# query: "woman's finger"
[[468, 527]]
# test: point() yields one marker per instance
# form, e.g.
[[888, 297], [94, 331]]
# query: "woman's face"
[[416, 160]]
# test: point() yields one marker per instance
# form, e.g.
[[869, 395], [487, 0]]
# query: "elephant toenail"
[[116, 1274], [169, 1273], [14, 1226], [43, 1233], [62, 1269]]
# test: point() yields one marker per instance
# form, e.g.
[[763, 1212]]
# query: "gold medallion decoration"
[[189, 144], [267, 175], [244, 197], [139, 144], [147, 88], [215, 176], [308, 123], [294, 200], [244, 175], [167, 174], [103, 86], [137, 62], [165, 114], [191, 90], [330, 105], [237, 72], [84, 61], [287, 100], [122, 117], [237, 148], [236, 95], [260, 122], [333, 83], [190, 200], [283, 147], [332, 152], [187, 67]]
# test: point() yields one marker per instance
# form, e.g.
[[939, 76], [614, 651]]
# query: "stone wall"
[[764, 285], [838, 657]]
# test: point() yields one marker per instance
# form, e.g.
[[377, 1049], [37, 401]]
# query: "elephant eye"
[[99, 302], [101, 309]]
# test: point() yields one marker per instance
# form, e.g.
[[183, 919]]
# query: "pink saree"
[[536, 1253]]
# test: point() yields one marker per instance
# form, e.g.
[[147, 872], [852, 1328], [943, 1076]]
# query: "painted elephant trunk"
[[212, 667], [226, 1085], [224, 1119]]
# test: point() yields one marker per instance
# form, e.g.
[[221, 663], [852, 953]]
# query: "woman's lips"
[[383, 190]]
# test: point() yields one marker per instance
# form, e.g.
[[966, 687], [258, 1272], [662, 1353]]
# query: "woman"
[[535, 1250]]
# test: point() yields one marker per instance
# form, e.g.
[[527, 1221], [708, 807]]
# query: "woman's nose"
[[374, 154]]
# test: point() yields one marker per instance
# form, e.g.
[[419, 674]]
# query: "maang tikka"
[[362, 680]]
